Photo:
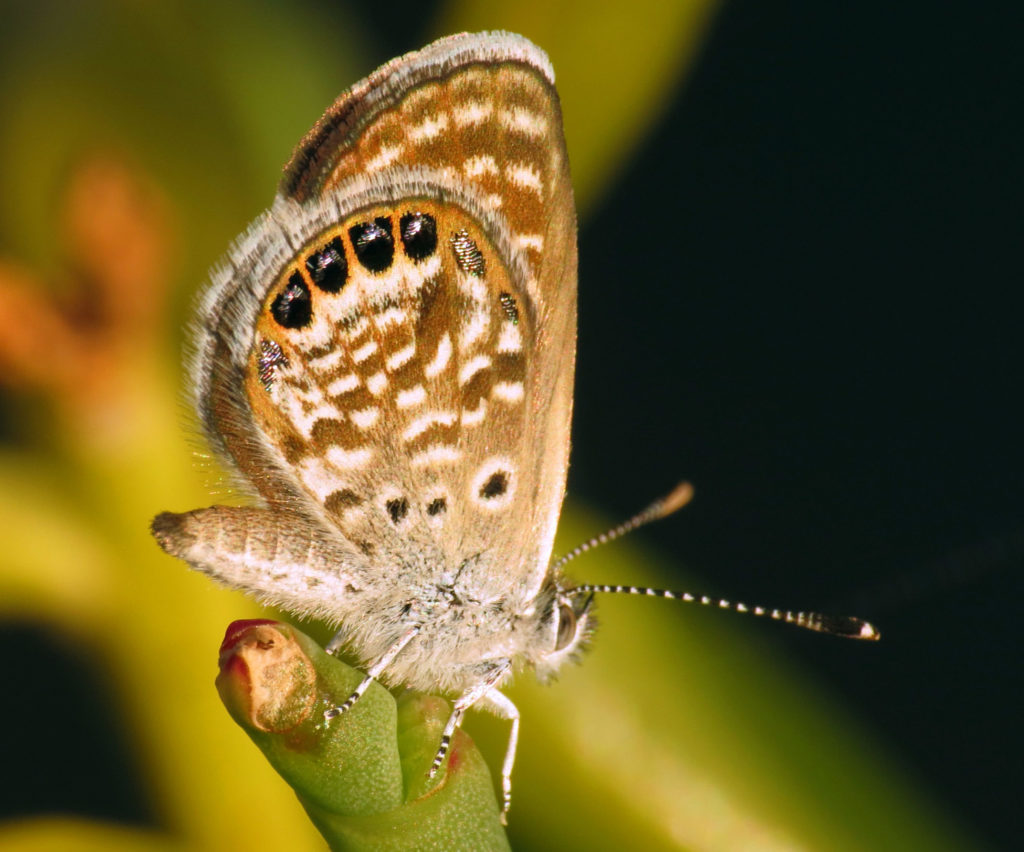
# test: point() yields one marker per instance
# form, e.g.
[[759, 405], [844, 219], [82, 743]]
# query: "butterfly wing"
[[388, 354]]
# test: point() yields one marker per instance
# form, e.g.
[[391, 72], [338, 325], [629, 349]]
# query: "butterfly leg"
[[372, 673], [337, 640], [462, 704], [504, 708]]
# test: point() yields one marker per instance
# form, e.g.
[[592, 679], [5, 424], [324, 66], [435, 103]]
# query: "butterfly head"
[[566, 625]]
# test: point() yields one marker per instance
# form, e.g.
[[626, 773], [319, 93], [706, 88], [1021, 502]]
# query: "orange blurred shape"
[[74, 338]]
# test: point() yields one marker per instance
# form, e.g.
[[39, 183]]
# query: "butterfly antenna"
[[846, 626], [660, 508], [842, 625]]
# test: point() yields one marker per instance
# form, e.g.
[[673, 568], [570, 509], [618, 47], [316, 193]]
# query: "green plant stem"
[[361, 777]]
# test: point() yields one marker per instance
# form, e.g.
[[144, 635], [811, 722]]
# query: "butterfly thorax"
[[462, 639]]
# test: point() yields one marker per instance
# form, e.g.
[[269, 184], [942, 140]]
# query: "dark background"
[[802, 296], [819, 324]]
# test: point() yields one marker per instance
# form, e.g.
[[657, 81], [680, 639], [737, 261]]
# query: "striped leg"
[[462, 704], [372, 673], [504, 708]]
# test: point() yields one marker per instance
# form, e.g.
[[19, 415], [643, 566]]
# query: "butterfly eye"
[[566, 627]]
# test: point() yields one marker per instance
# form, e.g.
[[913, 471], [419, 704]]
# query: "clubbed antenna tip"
[[660, 508], [674, 500]]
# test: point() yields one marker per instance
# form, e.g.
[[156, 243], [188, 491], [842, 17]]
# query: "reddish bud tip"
[[266, 680], [237, 630]]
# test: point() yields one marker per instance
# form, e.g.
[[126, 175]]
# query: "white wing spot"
[[364, 418], [312, 395], [376, 383], [320, 333], [424, 271], [392, 316], [425, 421], [400, 358], [472, 112], [317, 478], [475, 328], [303, 415], [348, 459], [481, 164], [525, 176], [303, 409], [521, 120], [528, 241], [343, 385], [508, 391], [441, 357], [365, 351], [326, 363], [475, 288], [428, 128], [412, 396], [473, 366], [510, 338], [437, 454], [384, 157], [475, 416], [533, 290]]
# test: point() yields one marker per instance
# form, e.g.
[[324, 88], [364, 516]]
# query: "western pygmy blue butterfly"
[[386, 357]]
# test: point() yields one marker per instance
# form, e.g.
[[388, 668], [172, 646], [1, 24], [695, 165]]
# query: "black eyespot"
[[566, 627], [419, 235], [292, 307], [437, 506], [495, 486], [397, 509], [373, 243], [328, 267], [467, 254]]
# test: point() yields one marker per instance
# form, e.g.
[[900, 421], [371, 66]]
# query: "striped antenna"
[[847, 626], [660, 508], [843, 625]]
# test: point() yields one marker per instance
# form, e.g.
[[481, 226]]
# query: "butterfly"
[[386, 358]]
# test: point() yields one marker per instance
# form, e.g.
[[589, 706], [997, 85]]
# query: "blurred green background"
[[799, 252]]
